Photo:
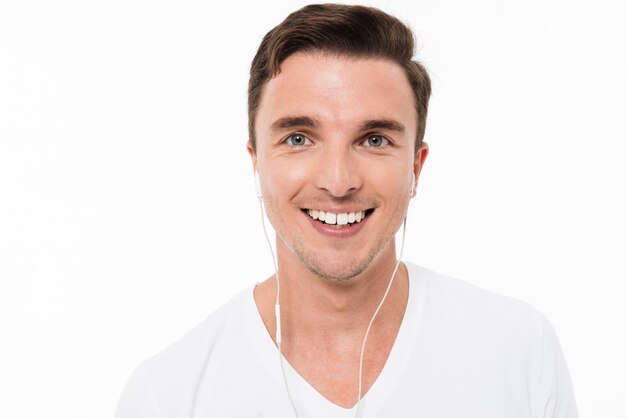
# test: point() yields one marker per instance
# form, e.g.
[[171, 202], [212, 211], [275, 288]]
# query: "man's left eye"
[[376, 141]]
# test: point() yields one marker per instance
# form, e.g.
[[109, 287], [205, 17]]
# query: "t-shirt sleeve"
[[556, 395], [138, 399]]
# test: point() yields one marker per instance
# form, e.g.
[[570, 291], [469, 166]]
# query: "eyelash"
[[386, 141], [286, 141]]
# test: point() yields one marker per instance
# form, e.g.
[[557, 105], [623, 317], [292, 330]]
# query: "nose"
[[338, 171]]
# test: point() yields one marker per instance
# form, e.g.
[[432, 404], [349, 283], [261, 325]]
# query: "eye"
[[376, 141], [297, 140]]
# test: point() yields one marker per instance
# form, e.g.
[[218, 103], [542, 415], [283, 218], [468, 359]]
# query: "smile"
[[337, 218]]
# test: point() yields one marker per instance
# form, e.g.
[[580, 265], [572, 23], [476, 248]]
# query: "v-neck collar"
[[308, 401]]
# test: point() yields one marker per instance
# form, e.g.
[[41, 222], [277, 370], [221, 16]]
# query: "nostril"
[[338, 177]]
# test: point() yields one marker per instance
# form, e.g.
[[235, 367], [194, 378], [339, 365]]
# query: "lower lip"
[[337, 232]]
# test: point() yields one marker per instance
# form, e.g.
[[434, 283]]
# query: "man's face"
[[336, 135]]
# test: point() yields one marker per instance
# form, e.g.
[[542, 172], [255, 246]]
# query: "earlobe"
[[257, 178], [252, 154], [418, 163]]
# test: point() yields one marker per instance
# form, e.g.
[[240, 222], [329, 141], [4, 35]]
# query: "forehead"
[[338, 91]]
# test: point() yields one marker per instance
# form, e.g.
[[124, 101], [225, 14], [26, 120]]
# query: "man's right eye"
[[297, 140]]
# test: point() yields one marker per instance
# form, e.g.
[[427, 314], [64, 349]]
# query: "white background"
[[127, 205]]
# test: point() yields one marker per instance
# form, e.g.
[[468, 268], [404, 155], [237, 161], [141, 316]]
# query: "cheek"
[[283, 180], [390, 180]]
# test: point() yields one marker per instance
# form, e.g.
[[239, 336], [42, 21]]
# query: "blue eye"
[[376, 141], [297, 140]]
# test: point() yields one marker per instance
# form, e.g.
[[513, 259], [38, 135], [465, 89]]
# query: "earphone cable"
[[278, 322], [393, 275], [277, 310]]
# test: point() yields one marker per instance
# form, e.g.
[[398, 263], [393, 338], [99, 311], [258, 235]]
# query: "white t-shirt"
[[461, 352]]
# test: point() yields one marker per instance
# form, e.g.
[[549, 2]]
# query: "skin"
[[331, 286]]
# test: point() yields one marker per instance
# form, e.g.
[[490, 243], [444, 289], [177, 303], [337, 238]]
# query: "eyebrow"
[[293, 122], [289, 122], [388, 124]]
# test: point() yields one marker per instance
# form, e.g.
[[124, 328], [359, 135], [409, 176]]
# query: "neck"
[[330, 312]]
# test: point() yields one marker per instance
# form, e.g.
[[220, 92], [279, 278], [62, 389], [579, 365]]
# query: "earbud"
[[257, 185], [411, 191]]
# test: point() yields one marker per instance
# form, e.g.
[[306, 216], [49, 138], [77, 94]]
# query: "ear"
[[252, 156], [418, 163]]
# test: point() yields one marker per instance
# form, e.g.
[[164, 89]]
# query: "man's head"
[[354, 31], [337, 112]]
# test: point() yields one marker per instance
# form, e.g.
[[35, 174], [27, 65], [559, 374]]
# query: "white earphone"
[[257, 185]]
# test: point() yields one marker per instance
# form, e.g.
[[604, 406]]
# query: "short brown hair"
[[356, 31]]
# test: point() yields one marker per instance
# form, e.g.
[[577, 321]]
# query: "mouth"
[[338, 220]]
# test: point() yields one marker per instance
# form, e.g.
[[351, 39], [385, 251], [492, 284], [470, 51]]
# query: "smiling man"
[[337, 111]]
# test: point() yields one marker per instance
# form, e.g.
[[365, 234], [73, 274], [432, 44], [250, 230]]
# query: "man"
[[337, 112]]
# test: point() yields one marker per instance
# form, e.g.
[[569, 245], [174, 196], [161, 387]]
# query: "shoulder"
[[201, 340], [463, 306], [469, 334], [168, 378]]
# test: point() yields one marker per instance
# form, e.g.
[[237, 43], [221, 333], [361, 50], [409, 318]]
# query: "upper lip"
[[337, 210]]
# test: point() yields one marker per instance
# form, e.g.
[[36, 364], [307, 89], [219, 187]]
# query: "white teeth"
[[339, 219]]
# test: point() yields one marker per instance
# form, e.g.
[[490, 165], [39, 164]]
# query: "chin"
[[336, 273], [338, 269]]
